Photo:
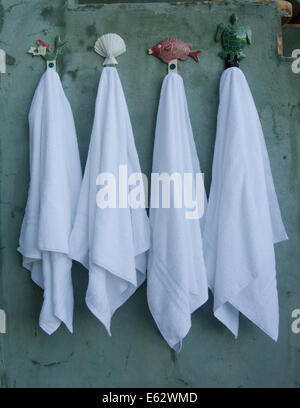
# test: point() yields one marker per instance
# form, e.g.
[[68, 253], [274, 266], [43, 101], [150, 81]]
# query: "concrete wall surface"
[[136, 354]]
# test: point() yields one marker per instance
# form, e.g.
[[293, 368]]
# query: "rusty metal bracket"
[[285, 7]]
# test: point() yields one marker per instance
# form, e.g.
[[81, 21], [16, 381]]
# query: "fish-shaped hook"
[[172, 49]]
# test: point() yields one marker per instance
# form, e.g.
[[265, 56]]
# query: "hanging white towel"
[[177, 283], [112, 243], [243, 218], [55, 178]]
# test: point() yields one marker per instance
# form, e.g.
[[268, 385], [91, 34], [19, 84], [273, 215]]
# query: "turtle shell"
[[234, 39]]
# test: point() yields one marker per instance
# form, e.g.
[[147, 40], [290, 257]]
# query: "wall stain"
[[61, 65], [88, 7], [274, 127], [10, 8], [294, 146], [73, 74], [44, 32], [91, 30], [12, 263], [54, 363], [96, 2], [4, 382], [15, 211], [10, 60], [181, 380], [127, 357], [173, 356], [54, 15], [1, 16], [294, 140]]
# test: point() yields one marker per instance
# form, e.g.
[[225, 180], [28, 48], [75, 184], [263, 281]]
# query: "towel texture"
[[177, 283], [111, 243], [55, 178], [243, 218]]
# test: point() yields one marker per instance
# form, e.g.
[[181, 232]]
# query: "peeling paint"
[[10, 60], [91, 30], [73, 73]]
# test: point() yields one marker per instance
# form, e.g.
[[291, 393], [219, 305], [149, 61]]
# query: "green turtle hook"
[[234, 38]]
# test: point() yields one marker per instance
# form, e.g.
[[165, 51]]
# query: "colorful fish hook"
[[170, 50]]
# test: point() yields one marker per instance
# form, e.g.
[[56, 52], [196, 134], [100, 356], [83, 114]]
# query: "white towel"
[[243, 218], [55, 178], [110, 242], [177, 283]]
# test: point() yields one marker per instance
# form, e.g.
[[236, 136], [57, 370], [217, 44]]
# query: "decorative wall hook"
[[43, 49], [234, 38], [110, 46], [170, 50]]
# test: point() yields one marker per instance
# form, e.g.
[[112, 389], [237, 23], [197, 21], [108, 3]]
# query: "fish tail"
[[195, 54]]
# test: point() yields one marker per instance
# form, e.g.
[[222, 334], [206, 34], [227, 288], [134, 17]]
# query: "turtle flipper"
[[220, 31]]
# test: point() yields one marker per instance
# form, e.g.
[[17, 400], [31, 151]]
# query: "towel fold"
[[111, 243], [243, 219], [177, 283], [55, 178]]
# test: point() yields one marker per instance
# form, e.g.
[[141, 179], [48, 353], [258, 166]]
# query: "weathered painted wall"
[[136, 355], [291, 40]]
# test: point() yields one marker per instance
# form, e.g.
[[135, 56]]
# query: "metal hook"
[[173, 66]]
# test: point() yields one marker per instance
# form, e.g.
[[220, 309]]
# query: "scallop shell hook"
[[110, 46]]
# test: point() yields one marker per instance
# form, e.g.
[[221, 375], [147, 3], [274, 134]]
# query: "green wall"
[[291, 40], [136, 355]]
